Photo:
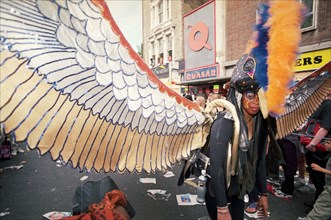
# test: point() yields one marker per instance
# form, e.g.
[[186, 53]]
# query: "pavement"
[[32, 185]]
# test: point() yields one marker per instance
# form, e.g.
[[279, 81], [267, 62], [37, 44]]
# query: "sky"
[[128, 16]]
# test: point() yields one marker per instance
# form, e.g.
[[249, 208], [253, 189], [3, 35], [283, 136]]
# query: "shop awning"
[[204, 81]]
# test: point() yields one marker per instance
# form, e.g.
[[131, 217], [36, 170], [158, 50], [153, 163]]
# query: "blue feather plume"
[[260, 52]]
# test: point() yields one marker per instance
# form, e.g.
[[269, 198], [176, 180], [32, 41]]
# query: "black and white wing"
[[72, 86], [304, 99]]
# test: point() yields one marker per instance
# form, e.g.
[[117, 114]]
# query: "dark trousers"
[[318, 178], [290, 167], [272, 165], [236, 207]]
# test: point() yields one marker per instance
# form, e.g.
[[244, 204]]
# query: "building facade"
[[163, 37], [168, 25], [315, 46]]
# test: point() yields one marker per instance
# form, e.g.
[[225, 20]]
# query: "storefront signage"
[[199, 37], [312, 60], [161, 71], [202, 73]]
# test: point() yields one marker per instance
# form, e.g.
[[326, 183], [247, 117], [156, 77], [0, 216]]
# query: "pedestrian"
[[189, 97], [224, 200], [314, 150], [322, 206], [112, 206], [288, 146], [203, 93], [201, 101]]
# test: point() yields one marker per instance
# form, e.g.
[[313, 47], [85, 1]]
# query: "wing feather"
[[305, 98], [72, 86]]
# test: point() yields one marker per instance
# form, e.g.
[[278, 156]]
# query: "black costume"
[[250, 171], [323, 114]]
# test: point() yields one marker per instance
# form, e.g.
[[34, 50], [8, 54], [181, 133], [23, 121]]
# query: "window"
[[153, 17], [310, 19], [160, 7], [169, 55], [160, 59], [152, 59], [160, 41], [167, 9], [169, 39]]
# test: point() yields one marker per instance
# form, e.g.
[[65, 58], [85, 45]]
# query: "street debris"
[[55, 215], [158, 194], [204, 218], [187, 199], [4, 214], [83, 178], [169, 174], [147, 180], [13, 167]]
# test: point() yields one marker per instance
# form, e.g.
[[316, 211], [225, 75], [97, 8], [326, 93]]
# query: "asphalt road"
[[41, 186]]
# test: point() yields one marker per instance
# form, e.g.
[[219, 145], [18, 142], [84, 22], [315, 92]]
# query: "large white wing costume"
[[72, 86]]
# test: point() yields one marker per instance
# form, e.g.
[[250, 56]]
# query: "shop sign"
[[312, 60], [199, 37], [202, 73], [161, 71]]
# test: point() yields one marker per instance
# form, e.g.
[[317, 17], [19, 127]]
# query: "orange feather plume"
[[285, 35]]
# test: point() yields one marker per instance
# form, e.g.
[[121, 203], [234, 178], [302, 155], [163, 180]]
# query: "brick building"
[[229, 33], [163, 37]]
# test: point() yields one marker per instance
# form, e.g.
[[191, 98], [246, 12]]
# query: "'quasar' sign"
[[202, 73]]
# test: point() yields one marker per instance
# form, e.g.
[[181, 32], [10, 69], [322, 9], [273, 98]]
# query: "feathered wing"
[[304, 99], [72, 86]]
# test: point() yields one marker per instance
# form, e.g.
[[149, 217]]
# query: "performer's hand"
[[316, 167], [223, 213], [263, 206]]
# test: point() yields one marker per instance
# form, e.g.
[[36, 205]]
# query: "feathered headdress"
[[274, 48]]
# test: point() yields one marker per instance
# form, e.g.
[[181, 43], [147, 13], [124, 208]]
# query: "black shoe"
[[309, 204]]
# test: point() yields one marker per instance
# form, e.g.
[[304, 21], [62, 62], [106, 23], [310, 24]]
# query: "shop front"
[[308, 62], [202, 72]]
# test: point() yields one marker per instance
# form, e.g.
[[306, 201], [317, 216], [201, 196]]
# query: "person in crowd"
[[272, 163], [209, 97], [204, 93], [201, 101], [223, 200], [316, 155], [322, 206], [111, 207], [214, 96], [189, 97], [288, 146], [301, 184], [15, 147]]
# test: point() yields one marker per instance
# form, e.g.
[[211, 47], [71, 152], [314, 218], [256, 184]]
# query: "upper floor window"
[[160, 15], [152, 53], [167, 9], [160, 41], [161, 55], [169, 44], [310, 19], [153, 17], [169, 39]]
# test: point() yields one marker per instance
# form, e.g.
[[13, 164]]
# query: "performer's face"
[[250, 102]]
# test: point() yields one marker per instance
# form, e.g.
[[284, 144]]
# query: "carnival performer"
[[228, 202]]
